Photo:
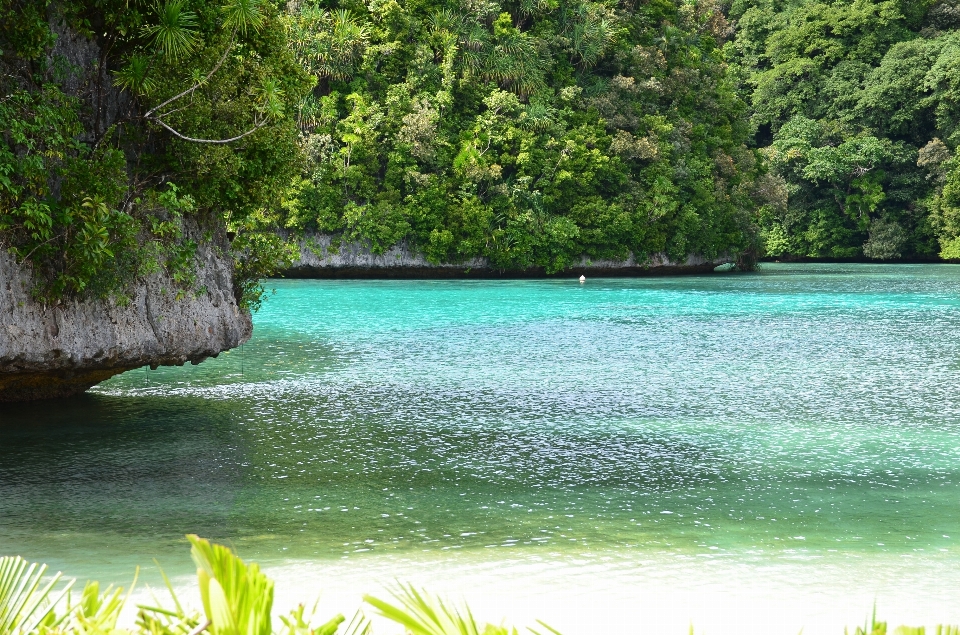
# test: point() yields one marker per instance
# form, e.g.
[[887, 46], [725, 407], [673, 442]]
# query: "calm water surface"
[[767, 452]]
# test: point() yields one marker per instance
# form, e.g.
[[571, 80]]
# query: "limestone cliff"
[[321, 256], [59, 350], [62, 348]]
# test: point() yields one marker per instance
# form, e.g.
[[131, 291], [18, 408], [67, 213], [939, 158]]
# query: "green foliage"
[[237, 599], [533, 133], [209, 93], [421, 613], [97, 613], [530, 133], [847, 98], [873, 627], [77, 230], [174, 35], [27, 603]]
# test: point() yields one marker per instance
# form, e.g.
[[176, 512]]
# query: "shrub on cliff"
[[106, 103]]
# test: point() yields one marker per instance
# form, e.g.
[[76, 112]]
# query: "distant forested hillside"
[[855, 106], [531, 132]]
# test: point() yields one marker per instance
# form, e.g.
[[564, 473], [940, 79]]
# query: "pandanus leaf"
[[135, 76], [424, 614], [220, 614], [240, 15], [421, 613], [237, 598], [174, 35]]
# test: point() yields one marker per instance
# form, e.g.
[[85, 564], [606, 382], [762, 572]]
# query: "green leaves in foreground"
[[26, 602], [237, 600], [423, 614], [31, 604]]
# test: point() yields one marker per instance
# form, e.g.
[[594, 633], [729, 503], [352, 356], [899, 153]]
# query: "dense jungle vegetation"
[[529, 132], [854, 105], [132, 130]]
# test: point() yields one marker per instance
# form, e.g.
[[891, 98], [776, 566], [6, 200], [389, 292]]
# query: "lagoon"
[[750, 453]]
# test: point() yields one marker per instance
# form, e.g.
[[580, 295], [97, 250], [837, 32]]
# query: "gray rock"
[[59, 350], [322, 257]]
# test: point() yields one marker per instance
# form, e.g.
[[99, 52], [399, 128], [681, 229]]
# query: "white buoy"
[[583, 279]]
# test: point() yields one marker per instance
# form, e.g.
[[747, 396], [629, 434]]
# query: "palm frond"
[[296, 623], [421, 613], [26, 602], [552, 631], [240, 15], [446, 20], [424, 614], [135, 76], [155, 620], [360, 625], [237, 597], [98, 612]]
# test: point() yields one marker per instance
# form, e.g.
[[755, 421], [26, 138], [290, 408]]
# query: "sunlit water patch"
[[752, 452]]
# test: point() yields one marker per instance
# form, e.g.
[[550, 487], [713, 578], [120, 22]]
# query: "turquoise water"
[[783, 426]]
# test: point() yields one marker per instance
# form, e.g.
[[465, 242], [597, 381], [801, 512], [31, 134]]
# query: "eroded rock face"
[[323, 257], [59, 350]]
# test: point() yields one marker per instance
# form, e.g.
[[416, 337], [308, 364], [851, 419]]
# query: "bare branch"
[[46, 242], [170, 112], [223, 59], [216, 141]]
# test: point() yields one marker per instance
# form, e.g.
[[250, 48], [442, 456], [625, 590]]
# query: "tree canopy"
[[533, 133], [854, 106], [125, 123]]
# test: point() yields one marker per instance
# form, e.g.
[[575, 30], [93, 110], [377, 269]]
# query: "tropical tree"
[[532, 134], [845, 96]]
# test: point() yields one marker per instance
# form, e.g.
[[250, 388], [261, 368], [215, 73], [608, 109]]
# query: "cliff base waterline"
[[52, 384], [59, 350], [446, 272], [324, 257]]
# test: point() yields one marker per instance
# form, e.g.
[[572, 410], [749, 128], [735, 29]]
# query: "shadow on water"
[[115, 475]]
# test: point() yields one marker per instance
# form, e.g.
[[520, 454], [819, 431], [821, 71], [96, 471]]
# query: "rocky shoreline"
[[322, 257], [59, 350], [62, 349]]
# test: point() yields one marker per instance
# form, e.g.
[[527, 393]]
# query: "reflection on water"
[[796, 429]]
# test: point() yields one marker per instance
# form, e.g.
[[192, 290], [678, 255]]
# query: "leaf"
[[24, 603], [240, 15], [135, 76], [237, 598], [174, 35], [424, 614], [220, 614]]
